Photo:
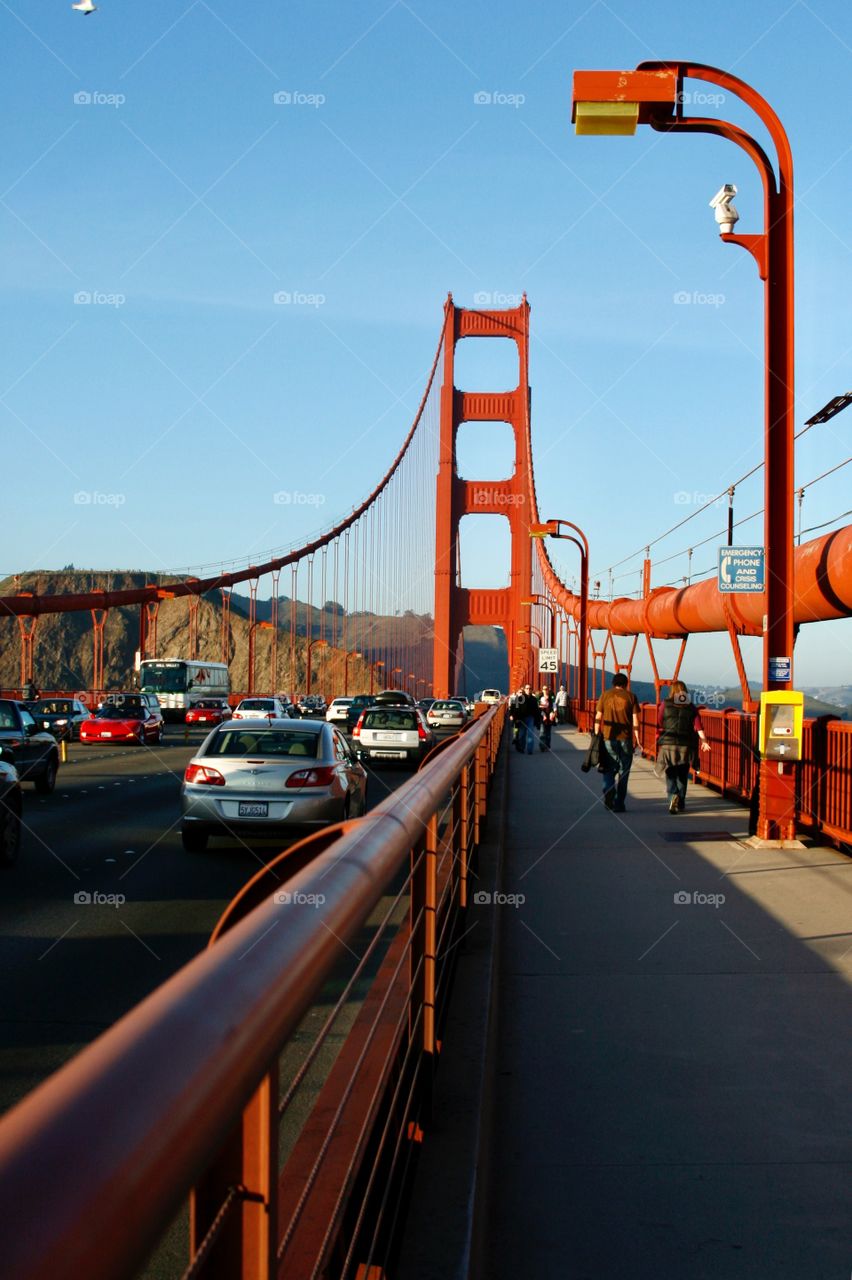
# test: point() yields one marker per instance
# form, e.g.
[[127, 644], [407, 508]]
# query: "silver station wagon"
[[254, 778], [387, 733]]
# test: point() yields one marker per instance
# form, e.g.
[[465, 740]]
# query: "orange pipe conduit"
[[823, 591]]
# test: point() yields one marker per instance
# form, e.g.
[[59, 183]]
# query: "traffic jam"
[[264, 766]]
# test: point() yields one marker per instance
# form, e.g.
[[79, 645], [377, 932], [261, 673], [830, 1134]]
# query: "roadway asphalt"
[[111, 829]]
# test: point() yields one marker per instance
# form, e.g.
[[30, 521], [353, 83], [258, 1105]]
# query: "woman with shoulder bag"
[[678, 728], [548, 715]]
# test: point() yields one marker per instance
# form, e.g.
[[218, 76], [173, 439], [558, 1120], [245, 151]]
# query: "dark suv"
[[356, 706], [394, 698], [24, 744]]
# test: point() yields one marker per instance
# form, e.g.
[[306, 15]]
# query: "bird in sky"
[[85, 6]]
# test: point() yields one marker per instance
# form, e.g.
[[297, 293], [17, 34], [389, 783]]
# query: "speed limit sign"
[[548, 661]]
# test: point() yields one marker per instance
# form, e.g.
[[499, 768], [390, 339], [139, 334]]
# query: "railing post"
[[244, 1247], [480, 782], [422, 980], [464, 833], [430, 933]]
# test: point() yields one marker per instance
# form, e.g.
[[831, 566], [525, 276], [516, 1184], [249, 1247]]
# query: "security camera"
[[726, 214]]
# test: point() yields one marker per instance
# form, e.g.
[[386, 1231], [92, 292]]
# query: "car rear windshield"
[[265, 743], [257, 704], [209, 704], [132, 711], [389, 719], [446, 706]]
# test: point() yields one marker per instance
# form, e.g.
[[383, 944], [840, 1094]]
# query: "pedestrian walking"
[[528, 716], [617, 719], [561, 703], [680, 738], [548, 715], [514, 721]]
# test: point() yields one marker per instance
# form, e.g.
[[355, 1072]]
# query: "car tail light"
[[356, 732], [320, 777], [202, 775], [421, 732]]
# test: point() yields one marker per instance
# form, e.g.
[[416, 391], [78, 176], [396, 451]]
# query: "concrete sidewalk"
[[672, 1077]]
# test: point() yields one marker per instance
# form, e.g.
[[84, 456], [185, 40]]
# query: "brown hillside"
[[63, 651]]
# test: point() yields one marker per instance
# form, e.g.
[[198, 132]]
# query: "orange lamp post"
[[539, 600], [312, 644], [551, 530], [607, 102], [356, 653], [253, 628]]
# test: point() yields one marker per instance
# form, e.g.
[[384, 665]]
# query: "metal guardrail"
[[824, 798], [185, 1091]]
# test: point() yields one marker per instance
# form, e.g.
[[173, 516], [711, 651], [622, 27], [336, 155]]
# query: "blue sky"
[[147, 163]]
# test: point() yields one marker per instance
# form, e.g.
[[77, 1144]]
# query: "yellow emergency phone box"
[[781, 715]]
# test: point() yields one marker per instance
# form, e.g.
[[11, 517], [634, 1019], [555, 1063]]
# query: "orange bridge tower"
[[457, 606]]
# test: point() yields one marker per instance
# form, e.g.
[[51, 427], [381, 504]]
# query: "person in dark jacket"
[[678, 729], [518, 731], [528, 717]]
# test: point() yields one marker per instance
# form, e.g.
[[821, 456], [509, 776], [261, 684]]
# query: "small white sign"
[[548, 661]]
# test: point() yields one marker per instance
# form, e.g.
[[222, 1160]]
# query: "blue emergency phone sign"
[[780, 669], [742, 569]]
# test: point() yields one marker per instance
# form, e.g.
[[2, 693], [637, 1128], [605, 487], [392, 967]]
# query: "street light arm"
[[569, 524], [740, 89]]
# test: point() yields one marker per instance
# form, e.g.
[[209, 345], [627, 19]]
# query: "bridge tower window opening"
[[486, 364], [485, 552], [485, 451]]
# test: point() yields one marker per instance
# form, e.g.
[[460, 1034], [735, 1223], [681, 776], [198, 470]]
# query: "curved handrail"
[[119, 1135]]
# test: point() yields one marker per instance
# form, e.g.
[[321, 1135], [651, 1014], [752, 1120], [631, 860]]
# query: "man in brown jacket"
[[617, 718]]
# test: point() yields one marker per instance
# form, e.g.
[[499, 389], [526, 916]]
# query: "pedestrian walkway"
[[673, 1063]]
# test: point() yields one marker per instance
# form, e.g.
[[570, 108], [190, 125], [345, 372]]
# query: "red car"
[[209, 711], [125, 717]]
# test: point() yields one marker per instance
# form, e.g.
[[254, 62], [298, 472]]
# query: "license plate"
[[386, 737], [105, 733], [253, 809]]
